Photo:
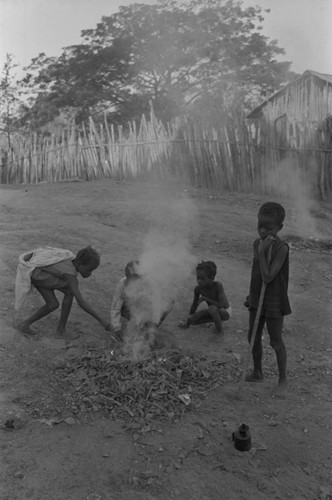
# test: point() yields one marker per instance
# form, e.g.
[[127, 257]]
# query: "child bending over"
[[212, 293], [61, 274], [276, 304], [133, 300]]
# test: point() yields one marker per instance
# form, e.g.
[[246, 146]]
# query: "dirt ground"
[[90, 456]]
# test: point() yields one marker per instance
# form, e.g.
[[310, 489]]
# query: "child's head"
[[87, 260], [132, 269], [271, 216], [206, 272]]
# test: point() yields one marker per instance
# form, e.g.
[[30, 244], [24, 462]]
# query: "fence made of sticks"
[[225, 158]]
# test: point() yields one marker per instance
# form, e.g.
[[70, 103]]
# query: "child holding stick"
[[274, 272]]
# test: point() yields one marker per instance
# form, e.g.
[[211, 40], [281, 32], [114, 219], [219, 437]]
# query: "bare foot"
[[254, 377], [280, 392], [25, 328], [63, 334]]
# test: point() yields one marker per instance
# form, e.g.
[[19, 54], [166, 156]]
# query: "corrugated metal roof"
[[321, 76]]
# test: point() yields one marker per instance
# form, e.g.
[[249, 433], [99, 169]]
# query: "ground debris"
[[14, 420], [310, 244], [162, 387], [325, 492]]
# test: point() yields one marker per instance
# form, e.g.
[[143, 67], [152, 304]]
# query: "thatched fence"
[[228, 158]]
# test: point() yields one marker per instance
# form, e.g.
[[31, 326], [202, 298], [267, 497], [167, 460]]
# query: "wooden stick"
[[255, 327]]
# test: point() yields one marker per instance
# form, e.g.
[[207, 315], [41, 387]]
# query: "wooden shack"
[[297, 120]]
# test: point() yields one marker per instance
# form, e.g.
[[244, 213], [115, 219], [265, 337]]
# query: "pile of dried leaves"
[[158, 387]]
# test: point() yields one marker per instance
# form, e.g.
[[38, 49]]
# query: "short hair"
[[88, 256], [131, 268], [208, 267], [273, 209]]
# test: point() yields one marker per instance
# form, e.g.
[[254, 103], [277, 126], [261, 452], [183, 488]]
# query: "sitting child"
[[132, 300], [212, 292], [49, 269]]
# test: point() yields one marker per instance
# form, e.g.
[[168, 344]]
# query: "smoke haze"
[[166, 262], [288, 182]]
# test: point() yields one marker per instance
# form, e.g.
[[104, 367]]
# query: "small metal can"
[[242, 438]]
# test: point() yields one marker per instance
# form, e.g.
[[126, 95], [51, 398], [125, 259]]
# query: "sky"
[[29, 27]]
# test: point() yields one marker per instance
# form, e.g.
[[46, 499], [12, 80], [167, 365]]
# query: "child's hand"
[[265, 244], [246, 302]]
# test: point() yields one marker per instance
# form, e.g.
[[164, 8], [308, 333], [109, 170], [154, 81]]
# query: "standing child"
[[49, 269], [276, 304], [212, 292]]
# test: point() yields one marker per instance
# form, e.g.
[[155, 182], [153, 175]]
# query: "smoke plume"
[[165, 263]]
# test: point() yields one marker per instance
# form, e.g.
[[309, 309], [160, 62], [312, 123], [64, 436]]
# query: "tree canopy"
[[10, 103], [187, 57]]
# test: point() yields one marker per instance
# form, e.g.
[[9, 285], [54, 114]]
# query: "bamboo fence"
[[233, 158]]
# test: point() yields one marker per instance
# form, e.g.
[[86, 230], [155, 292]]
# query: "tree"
[[184, 56], [196, 52], [81, 78], [9, 99]]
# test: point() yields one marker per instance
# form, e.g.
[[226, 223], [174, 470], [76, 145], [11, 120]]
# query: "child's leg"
[[199, 317], [51, 305], [212, 314], [224, 314], [274, 328], [257, 350], [216, 317], [65, 310], [125, 311]]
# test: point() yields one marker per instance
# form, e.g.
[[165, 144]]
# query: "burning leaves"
[[159, 387]]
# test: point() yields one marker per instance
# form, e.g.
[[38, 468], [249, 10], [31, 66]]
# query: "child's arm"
[[193, 308], [269, 272], [73, 285], [117, 303], [195, 303]]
